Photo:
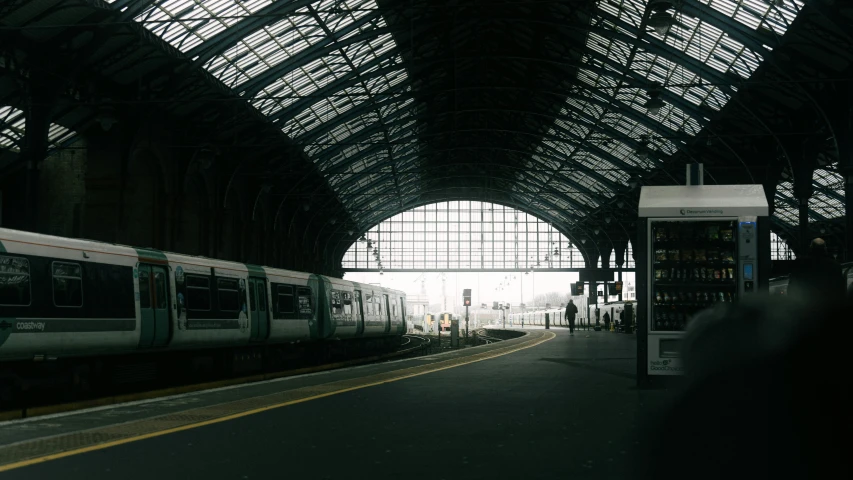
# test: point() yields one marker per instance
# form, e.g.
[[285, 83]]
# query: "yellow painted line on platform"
[[114, 443], [164, 392]]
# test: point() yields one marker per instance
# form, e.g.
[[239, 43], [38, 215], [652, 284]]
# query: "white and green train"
[[66, 298]]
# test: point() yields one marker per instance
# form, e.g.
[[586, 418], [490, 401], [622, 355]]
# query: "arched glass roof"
[[330, 75]]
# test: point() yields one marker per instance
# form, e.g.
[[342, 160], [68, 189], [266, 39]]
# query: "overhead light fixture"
[[106, 117], [306, 206], [349, 232], [333, 220], [633, 181], [596, 231], [583, 240], [608, 219], [654, 104], [369, 244], [620, 204], [710, 141], [661, 20]]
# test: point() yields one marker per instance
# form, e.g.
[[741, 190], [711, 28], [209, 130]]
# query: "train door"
[[258, 305], [403, 313], [153, 306], [387, 317], [358, 312]]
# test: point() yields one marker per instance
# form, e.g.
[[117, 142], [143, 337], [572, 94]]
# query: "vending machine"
[[698, 246]]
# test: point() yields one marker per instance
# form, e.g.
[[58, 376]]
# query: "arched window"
[[463, 235]]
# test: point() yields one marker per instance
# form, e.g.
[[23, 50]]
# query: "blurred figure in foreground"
[[767, 394], [818, 276]]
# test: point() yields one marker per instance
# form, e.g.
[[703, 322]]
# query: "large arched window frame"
[[463, 235]]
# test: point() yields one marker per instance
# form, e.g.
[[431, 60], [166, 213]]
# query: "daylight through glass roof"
[[329, 74], [13, 125], [692, 86]]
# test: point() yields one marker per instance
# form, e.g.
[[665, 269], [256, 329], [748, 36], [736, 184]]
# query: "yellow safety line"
[[101, 446]]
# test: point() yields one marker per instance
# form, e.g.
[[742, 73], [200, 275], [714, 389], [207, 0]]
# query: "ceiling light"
[[654, 104], [363, 239], [608, 219], [583, 240], [306, 206], [633, 181], [620, 204], [349, 232], [333, 220], [596, 231], [661, 22]]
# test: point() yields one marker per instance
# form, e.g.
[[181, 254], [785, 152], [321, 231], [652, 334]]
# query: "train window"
[[160, 289], [262, 296], [304, 295], [144, 288], [356, 302], [394, 307], [67, 284], [198, 293], [15, 286], [285, 298], [229, 299], [347, 297], [379, 309], [337, 305], [368, 303]]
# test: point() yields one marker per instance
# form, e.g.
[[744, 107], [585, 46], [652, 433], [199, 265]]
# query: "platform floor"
[[556, 405]]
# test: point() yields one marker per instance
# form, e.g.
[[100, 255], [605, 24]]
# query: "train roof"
[[40, 239]]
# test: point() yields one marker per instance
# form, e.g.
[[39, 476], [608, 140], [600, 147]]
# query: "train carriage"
[[63, 297], [294, 300], [340, 318]]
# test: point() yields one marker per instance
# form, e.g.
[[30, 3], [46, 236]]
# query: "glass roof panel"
[[187, 23], [826, 203], [13, 126]]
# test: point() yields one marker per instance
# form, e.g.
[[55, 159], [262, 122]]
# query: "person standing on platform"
[[571, 312], [606, 321], [818, 277]]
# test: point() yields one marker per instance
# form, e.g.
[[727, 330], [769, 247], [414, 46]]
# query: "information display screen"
[[694, 267]]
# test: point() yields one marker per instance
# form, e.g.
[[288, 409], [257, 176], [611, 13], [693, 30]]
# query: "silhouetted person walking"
[[571, 312], [818, 277]]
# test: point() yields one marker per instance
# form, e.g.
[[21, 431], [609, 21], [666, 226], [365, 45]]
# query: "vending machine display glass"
[[695, 267]]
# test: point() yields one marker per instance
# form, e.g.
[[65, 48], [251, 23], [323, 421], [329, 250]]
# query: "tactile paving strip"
[[51, 446]]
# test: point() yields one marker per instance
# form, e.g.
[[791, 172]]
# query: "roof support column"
[[844, 141], [34, 149], [620, 248], [804, 161]]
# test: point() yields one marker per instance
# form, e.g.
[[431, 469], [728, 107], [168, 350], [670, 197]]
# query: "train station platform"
[[543, 405]]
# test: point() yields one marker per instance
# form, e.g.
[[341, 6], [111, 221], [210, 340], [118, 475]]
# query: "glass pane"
[[67, 285], [160, 289], [262, 297], [14, 281], [144, 288]]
